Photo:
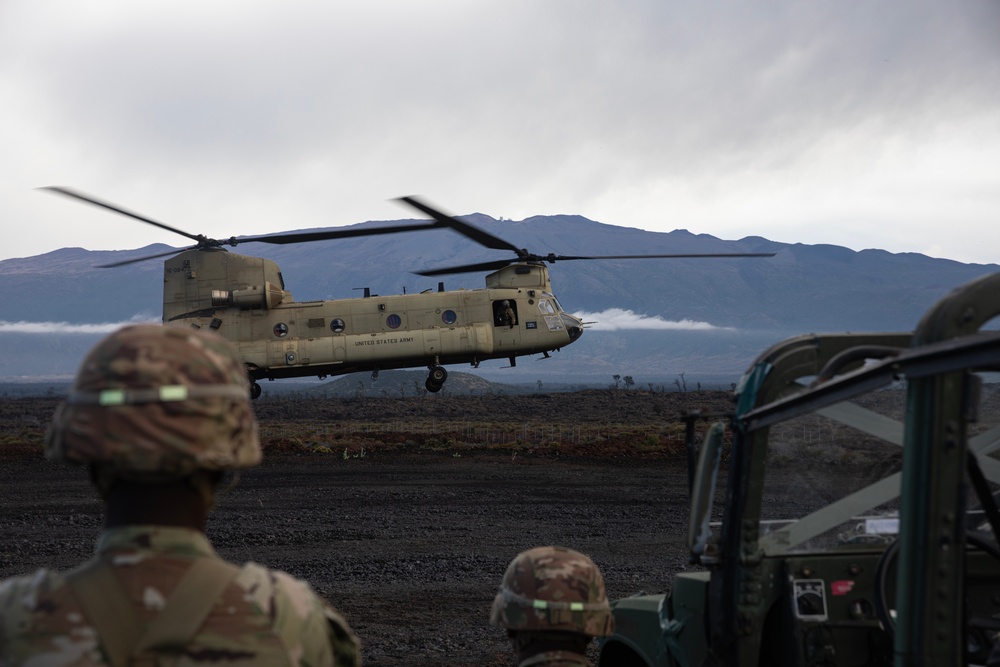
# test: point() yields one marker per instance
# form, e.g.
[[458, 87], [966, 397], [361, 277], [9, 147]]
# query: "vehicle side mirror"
[[703, 492]]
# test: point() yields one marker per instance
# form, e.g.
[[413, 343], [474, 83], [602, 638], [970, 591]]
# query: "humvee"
[[881, 443]]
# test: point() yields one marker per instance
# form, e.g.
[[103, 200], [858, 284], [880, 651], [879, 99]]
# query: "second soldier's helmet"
[[553, 588], [156, 399]]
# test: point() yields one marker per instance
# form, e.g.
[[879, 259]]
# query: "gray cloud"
[[860, 124]]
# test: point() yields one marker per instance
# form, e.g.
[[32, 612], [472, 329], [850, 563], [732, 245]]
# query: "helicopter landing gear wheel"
[[438, 374], [432, 386], [254, 391]]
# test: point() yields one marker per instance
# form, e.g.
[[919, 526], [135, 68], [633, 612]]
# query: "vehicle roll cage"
[[939, 361]]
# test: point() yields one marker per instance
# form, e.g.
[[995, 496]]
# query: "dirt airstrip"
[[405, 512]]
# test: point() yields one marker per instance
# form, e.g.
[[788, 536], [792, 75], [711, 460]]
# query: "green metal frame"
[[719, 617]]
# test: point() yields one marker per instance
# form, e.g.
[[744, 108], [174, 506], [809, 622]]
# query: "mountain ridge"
[[752, 302]]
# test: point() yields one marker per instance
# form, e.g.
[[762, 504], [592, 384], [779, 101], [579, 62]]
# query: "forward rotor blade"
[[464, 228], [300, 237], [484, 266], [117, 209], [143, 259], [680, 256], [499, 264]]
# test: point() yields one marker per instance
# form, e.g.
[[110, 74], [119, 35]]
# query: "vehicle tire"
[[438, 374], [432, 386], [255, 391]]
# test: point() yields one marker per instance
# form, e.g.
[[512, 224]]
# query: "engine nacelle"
[[254, 296]]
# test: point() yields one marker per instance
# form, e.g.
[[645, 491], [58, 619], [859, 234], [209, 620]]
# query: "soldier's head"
[[153, 405], [550, 595]]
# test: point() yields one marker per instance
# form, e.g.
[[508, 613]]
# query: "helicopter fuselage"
[[243, 299]]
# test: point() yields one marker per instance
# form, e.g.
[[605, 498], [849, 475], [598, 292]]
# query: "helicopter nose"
[[574, 326]]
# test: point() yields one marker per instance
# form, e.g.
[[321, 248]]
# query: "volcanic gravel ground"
[[410, 541], [410, 547]]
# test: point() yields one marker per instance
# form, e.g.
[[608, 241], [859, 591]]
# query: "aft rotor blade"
[[464, 228], [144, 258], [301, 237], [483, 266], [117, 209]]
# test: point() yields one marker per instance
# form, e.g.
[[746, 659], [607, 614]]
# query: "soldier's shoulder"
[[300, 616], [270, 588], [38, 612]]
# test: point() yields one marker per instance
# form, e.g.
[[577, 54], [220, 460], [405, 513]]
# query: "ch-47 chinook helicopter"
[[244, 299]]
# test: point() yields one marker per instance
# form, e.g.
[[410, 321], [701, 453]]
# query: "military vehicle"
[[895, 563], [244, 299]]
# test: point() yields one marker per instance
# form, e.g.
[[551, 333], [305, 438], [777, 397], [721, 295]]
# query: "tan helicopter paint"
[[243, 298]]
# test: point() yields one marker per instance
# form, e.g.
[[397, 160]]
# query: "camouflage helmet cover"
[[553, 588], [150, 398]]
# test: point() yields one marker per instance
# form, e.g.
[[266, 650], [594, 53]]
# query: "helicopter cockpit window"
[[280, 329], [449, 317], [337, 325], [554, 300], [393, 321], [545, 307]]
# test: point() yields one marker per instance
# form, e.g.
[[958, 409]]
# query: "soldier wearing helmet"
[[159, 414], [553, 603], [509, 317]]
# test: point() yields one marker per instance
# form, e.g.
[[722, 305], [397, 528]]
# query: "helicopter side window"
[[280, 329], [505, 313], [337, 325], [545, 307]]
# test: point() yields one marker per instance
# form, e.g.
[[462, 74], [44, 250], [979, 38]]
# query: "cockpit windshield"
[[833, 477], [553, 300], [545, 307]]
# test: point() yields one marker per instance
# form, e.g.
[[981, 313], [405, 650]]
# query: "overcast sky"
[[863, 123]]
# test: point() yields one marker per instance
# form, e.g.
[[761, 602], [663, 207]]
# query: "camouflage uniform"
[[153, 404], [508, 314], [261, 617], [553, 591]]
